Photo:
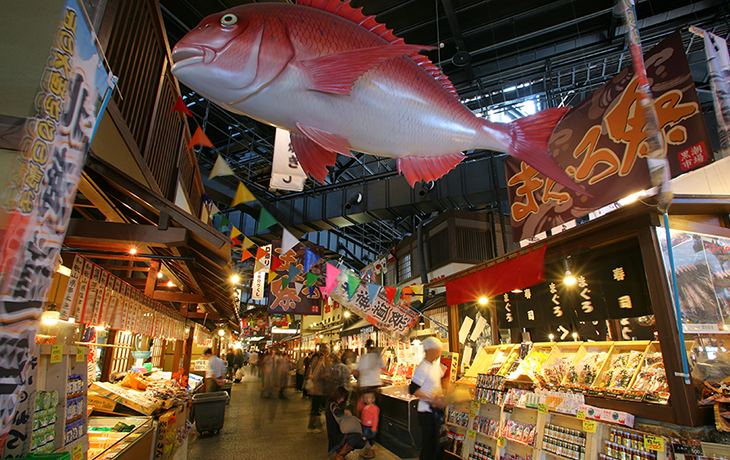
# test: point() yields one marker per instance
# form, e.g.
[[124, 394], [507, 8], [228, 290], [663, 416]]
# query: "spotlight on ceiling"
[[354, 200]]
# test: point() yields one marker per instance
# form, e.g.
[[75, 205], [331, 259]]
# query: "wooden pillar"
[[683, 398], [494, 319], [177, 357], [454, 329], [164, 353], [149, 288], [106, 363], [187, 353]]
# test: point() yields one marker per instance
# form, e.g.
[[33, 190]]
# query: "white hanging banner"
[[286, 173], [257, 286]]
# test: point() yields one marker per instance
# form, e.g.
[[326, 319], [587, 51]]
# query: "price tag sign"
[[500, 441], [78, 452], [652, 442], [581, 414], [484, 400], [56, 353], [589, 426], [542, 408], [475, 405], [472, 434], [472, 413], [80, 354]]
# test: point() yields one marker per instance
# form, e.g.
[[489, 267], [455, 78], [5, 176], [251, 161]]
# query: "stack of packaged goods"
[[564, 442], [652, 379], [523, 433], [514, 457], [583, 373], [455, 443], [552, 375], [621, 371], [75, 426], [44, 422], [481, 452], [458, 418], [486, 426], [490, 389], [625, 445]]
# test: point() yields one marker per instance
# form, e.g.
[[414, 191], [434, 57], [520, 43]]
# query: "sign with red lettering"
[[601, 144]]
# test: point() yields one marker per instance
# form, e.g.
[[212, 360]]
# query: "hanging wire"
[[438, 36]]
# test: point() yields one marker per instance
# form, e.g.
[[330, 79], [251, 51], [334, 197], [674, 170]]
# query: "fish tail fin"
[[529, 138]]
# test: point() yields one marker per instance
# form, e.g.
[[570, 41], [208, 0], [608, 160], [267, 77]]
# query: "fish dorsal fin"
[[346, 11]]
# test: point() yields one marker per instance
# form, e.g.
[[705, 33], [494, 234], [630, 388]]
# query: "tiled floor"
[[269, 429]]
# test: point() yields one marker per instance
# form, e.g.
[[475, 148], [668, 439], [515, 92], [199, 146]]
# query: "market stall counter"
[[399, 413]]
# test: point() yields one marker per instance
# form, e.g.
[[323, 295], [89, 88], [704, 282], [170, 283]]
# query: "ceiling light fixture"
[[133, 251], [483, 300], [569, 277], [235, 279], [159, 274]]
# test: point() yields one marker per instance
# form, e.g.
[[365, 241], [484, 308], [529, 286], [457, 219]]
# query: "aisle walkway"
[[267, 429]]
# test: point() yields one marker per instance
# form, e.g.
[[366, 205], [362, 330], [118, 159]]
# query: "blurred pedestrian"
[[215, 371], [368, 370], [230, 357], [301, 369], [338, 375], [282, 371], [268, 377]]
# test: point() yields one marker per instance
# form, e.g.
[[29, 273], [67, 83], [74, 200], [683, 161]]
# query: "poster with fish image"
[[601, 145]]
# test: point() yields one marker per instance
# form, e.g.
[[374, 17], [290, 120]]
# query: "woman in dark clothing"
[[339, 442]]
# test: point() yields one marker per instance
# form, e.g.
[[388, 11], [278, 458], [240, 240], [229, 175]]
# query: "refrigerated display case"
[[120, 438]]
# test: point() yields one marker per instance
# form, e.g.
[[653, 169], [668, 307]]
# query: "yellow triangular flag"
[[418, 290], [247, 243], [242, 195], [235, 232], [220, 168], [272, 275]]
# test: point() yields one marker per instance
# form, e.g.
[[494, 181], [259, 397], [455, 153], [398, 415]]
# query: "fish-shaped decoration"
[[339, 81]]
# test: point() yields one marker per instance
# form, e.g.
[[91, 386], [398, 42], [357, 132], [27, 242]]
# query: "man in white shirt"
[[427, 385], [367, 372], [215, 371]]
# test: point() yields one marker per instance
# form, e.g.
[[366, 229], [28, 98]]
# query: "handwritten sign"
[[78, 452], [472, 434], [56, 353], [500, 441], [652, 442], [589, 426], [542, 408], [80, 358], [581, 414]]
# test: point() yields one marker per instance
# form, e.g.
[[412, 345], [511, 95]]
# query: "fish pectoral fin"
[[415, 169], [313, 158], [327, 141], [336, 73]]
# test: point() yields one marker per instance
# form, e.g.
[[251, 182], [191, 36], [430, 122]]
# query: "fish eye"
[[228, 20]]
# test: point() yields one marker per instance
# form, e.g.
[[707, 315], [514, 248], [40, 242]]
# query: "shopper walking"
[[344, 431], [317, 376], [307, 363], [268, 378], [301, 369], [368, 369], [282, 371], [230, 357], [239, 361], [215, 371], [427, 383]]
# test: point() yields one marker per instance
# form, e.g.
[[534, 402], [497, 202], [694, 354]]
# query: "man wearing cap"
[[426, 384]]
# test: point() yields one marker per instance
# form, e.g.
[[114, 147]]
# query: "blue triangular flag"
[[310, 259], [293, 271], [373, 290]]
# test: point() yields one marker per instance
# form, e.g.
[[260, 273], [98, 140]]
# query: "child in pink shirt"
[[369, 414]]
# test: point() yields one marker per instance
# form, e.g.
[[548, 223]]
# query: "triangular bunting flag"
[[288, 241], [258, 266], [373, 290], [246, 254], [260, 253], [199, 138], [323, 291], [390, 293], [406, 294], [298, 287], [235, 241], [311, 279], [243, 195], [293, 271], [275, 263], [180, 106], [284, 282], [220, 168], [214, 210], [266, 220], [247, 243], [397, 295], [418, 291], [311, 291], [225, 222], [272, 275], [352, 283], [310, 259], [235, 233], [331, 281]]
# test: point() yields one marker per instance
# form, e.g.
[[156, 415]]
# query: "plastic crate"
[[209, 411]]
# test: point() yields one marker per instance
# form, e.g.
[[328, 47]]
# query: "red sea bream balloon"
[[340, 81]]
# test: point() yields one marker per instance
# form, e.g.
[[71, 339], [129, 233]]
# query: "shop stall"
[[600, 368]]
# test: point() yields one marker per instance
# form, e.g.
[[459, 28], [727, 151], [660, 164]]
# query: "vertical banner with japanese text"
[[286, 172], [40, 191], [601, 144]]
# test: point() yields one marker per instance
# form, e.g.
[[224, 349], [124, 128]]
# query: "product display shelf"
[[567, 352], [539, 353], [575, 378], [639, 390], [54, 376], [554, 421], [602, 386], [604, 434]]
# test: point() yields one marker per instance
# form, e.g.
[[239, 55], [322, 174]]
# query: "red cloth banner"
[[518, 273]]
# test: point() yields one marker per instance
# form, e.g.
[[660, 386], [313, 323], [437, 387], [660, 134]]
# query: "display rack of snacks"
[[625, 444], [588, 364], [455, 443], [44, 422], [457, 418], [651, 380], [489, 389], [524, 433], [528, 369], [500, 357], [482, 452], [622, 365], [555, 367], [565, 442], [486, 426]]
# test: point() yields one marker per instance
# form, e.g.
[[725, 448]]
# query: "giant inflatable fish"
[[340, 81]]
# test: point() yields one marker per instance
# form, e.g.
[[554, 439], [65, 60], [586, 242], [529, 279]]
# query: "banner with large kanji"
[[600, 143], [289, 291]]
